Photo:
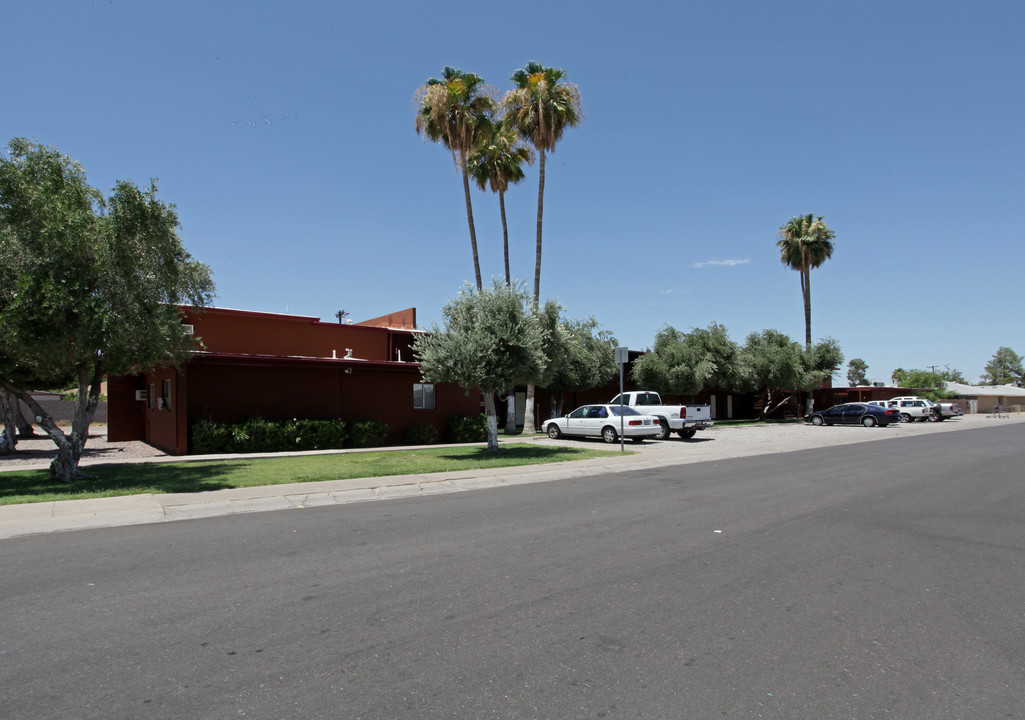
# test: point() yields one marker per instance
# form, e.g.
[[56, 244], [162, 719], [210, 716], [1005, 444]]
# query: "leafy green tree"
[[777, 364], [805, 242], [580, 355], [541, 107], [954, 375], [898, 376], [856, 370], [498, 162], [929, 384], [452, 110], [687, 363], [491, 340], [88, 287], [1005, 367]]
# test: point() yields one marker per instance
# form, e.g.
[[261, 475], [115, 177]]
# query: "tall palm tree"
[[498, 162], [541, 107], [805, 242], [451, 111]]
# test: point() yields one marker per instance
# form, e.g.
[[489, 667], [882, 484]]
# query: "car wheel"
[[817, 420], [609, 434], [554, 432], [904, 417], [687, 432], [868, 421], [664, 431]]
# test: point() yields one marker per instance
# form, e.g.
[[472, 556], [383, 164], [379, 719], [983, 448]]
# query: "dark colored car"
[[857, 413]]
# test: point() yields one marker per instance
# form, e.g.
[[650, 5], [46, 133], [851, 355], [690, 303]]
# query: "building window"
[[165, 398], [151, 398], [423, 396]]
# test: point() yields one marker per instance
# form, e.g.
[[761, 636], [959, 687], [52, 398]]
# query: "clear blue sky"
[[283, 131]]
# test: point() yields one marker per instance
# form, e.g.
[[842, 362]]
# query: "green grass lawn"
[[114, 480]]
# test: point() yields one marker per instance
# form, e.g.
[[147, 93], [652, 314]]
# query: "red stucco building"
[[284, 366]]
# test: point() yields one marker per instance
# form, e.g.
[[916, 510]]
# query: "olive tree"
[[491, 340], [687, 363], [776, 364], [89, 286], [580, 355]]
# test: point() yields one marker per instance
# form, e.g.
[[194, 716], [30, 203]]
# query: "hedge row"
[[261, 435]]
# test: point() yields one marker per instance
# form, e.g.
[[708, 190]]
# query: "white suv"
[[912, 408]]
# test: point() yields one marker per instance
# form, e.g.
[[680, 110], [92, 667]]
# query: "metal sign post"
[[622, 358]]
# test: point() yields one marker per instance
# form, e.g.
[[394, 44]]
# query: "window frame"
[[424, 396]]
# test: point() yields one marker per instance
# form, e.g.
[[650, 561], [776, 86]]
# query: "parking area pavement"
[[717, 443]]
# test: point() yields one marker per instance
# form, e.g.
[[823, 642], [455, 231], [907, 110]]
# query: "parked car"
[[914, 408], [684, 420], [856, 413], [604, 421]]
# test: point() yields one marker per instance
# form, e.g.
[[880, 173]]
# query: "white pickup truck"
[[684, 420]]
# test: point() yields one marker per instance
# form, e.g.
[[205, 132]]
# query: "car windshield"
[[627, 410]]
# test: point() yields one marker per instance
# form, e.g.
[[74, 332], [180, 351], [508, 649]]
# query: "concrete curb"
[[66, 515]]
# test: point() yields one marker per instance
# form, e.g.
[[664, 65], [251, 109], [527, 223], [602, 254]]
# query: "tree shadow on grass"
[[113, 480], [522, 454]]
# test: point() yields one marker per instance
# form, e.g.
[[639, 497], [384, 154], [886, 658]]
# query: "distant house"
[[984, 398], [274, 366]]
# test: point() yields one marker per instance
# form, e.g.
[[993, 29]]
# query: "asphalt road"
[[839, 583]]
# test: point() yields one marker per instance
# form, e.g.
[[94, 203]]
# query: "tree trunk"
[[510, 412], [528, 417], [528, 412], [24, 426], [540, 215], [469, 220], [9, 431], [806, 296], [505, 237], [69, 447], [492, 419]]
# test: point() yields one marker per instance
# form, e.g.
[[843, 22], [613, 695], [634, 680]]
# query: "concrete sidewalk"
[[63, 515], [716, 444]]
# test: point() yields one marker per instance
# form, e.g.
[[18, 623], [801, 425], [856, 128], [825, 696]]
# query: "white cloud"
[[728, 263]]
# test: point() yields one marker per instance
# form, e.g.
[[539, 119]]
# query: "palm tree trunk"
[[528, 417], [505, 237], [540, 214], [469, 219], [806, 291]]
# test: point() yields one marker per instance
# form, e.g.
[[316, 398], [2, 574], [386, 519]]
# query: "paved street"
[[826, 583]]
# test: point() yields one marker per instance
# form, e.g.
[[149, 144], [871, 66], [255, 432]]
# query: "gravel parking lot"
[[725, 441], [721, 441]]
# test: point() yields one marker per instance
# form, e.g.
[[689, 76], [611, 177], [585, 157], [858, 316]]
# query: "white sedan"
[[604, 421]]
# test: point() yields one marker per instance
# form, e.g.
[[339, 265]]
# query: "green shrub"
[[421, 435], [319, 434], [260, 435], [368, 433], [207, 437], [463, 429]]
